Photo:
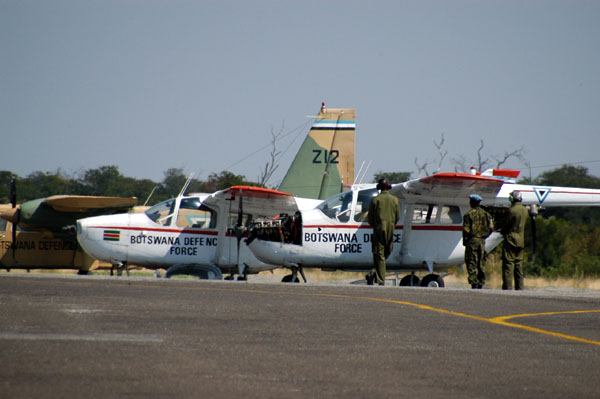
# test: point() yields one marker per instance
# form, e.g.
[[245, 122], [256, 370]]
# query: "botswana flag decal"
[[112, 235]]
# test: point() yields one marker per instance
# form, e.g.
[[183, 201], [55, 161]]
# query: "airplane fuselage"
[[428, 237], [336, 237], [202, 229]]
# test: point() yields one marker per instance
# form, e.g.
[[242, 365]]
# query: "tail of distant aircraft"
[[325, 162]]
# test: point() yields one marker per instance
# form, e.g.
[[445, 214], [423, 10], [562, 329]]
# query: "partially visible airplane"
[[200, 234], [336, 235], [40, 234]]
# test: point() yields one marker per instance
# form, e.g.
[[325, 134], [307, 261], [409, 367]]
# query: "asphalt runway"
[[109, 337]]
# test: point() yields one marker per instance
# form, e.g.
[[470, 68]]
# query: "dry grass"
[[456, 278]]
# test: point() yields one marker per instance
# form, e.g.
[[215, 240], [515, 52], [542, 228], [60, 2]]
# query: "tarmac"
[[66, 336]]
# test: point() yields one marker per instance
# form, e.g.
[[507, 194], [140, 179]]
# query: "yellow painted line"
[[500, 320]]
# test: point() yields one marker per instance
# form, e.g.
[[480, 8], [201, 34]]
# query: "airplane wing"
[[455, 187], [82, 203], [56, 212], [257, 201]]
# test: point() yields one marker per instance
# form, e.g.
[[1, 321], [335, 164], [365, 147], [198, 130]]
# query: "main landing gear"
[[412, 280], [293, 278]]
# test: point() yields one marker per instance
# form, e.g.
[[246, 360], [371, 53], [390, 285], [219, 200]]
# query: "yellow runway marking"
[[500, 320]]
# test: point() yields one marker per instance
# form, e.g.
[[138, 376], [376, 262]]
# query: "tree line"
[[568, 238], [108, 181]]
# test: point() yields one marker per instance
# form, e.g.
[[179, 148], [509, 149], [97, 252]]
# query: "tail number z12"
[[324, 156]]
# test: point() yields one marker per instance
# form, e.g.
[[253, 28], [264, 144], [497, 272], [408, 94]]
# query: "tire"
[[432, 281], [406, 281]]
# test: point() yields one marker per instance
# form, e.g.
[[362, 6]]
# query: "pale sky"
[[149, 85]]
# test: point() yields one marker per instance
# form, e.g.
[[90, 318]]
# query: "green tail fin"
[[325, 162]]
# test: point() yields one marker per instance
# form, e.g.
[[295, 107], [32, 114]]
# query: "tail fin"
[[325, 162]]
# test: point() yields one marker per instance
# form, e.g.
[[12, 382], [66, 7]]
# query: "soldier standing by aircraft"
[[477, 226], [383, 215], [514, 242]]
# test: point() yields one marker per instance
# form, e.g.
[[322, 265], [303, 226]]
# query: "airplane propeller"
[[16, 214], [239, 230]]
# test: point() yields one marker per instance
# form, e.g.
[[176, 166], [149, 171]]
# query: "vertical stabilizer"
[[325, 161]]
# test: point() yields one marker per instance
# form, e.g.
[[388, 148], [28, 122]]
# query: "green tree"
[[5, 176], [105, 181], [571, 176], [392, 177], [226, 179]]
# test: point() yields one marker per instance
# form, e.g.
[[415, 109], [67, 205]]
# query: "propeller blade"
[[16, 215], [240, 209], [13, 191], [239, 231]]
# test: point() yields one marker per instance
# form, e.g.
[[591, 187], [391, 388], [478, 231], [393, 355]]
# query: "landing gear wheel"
[[410, 281], [290, 278], [433, 281]]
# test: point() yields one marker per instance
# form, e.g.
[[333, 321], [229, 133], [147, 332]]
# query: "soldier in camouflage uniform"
[[383, 215], [514, 242], [477, 226]]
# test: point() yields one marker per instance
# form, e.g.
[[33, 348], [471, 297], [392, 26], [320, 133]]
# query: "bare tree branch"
[[481, 163], [421, 168], [518, 153], [271, 165], [441, 151]]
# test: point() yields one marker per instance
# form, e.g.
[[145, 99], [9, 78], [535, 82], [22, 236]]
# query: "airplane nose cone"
[[80, 230], [9, 213]]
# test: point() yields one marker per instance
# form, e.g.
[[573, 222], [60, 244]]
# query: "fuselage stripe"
[[180, 231]]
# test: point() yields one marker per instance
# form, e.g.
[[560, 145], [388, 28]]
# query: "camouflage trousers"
[[512, 263], [475, 261]]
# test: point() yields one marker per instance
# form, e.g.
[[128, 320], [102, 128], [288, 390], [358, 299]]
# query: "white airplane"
[[197, 234], [200, 234], [335, 235]]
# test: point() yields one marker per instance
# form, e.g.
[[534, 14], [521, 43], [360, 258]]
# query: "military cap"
[[475, 197]]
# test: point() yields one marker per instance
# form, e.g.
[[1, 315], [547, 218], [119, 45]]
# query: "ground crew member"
[[383, 215], [514, 242], [477, 226]]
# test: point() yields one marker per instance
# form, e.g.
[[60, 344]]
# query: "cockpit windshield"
[[338, 207], [159, 212]]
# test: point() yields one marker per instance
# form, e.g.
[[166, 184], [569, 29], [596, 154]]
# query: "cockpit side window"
[[450, 215], [363, 202], [338, 207], [194, 214], [424, 213]]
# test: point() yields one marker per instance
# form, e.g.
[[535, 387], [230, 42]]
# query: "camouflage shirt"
[[477, 225]]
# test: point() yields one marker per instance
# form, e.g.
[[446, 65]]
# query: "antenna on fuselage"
[[151, 192], [359, 177], [187, 183]]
